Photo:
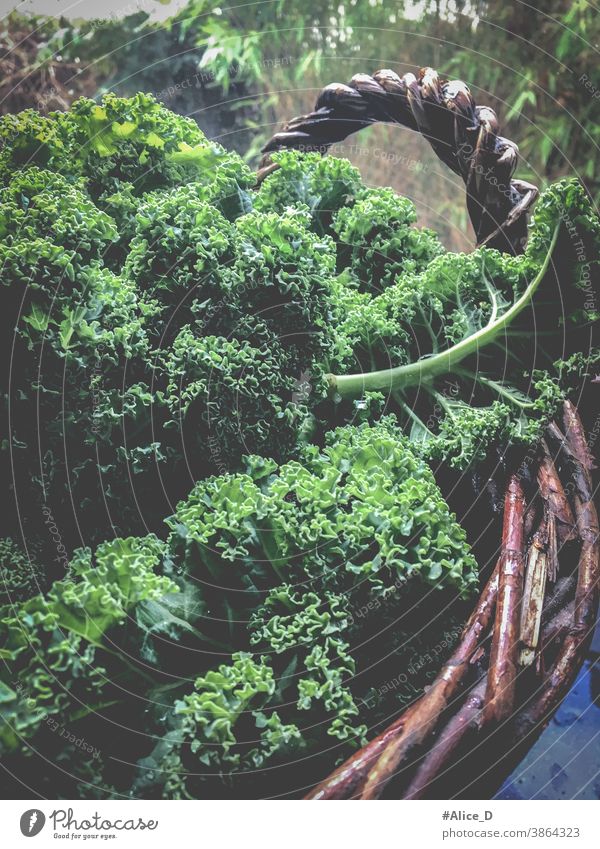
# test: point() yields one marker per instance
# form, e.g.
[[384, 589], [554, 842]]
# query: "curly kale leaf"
[[377, 240], [138, 141], [304, 634], [42, 204], [219, 729], [180, 245], [363, 512], [239, 717], [324, 184], [53, 648], [281, 274], [261, 596], [230, 398], [123, 227]]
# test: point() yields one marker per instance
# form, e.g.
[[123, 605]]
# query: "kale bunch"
[[164, 328], [255, 634], [170, 319], [184, 344]]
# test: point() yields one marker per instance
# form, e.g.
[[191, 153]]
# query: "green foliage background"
[[240, 70]]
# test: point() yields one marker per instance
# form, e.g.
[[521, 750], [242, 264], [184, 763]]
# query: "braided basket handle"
[[463, 135]]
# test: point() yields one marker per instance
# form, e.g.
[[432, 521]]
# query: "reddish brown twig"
[[347, 778], [430, 707], [564, 589], [567, 663], [575, 439], [531, 518], [556, 528], [415, 724], [558, 626], [503, 656], [466, 719], [469, 717], [553, 493]]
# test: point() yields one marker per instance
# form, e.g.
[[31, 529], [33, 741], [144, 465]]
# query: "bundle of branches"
[[524, 643]]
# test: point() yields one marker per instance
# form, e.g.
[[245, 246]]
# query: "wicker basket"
[[527, 636]]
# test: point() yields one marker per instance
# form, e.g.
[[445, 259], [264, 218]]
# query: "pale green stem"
[[445, 362], [504, 392]]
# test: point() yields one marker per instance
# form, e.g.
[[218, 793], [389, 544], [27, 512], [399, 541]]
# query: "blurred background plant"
[[241, 70]]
